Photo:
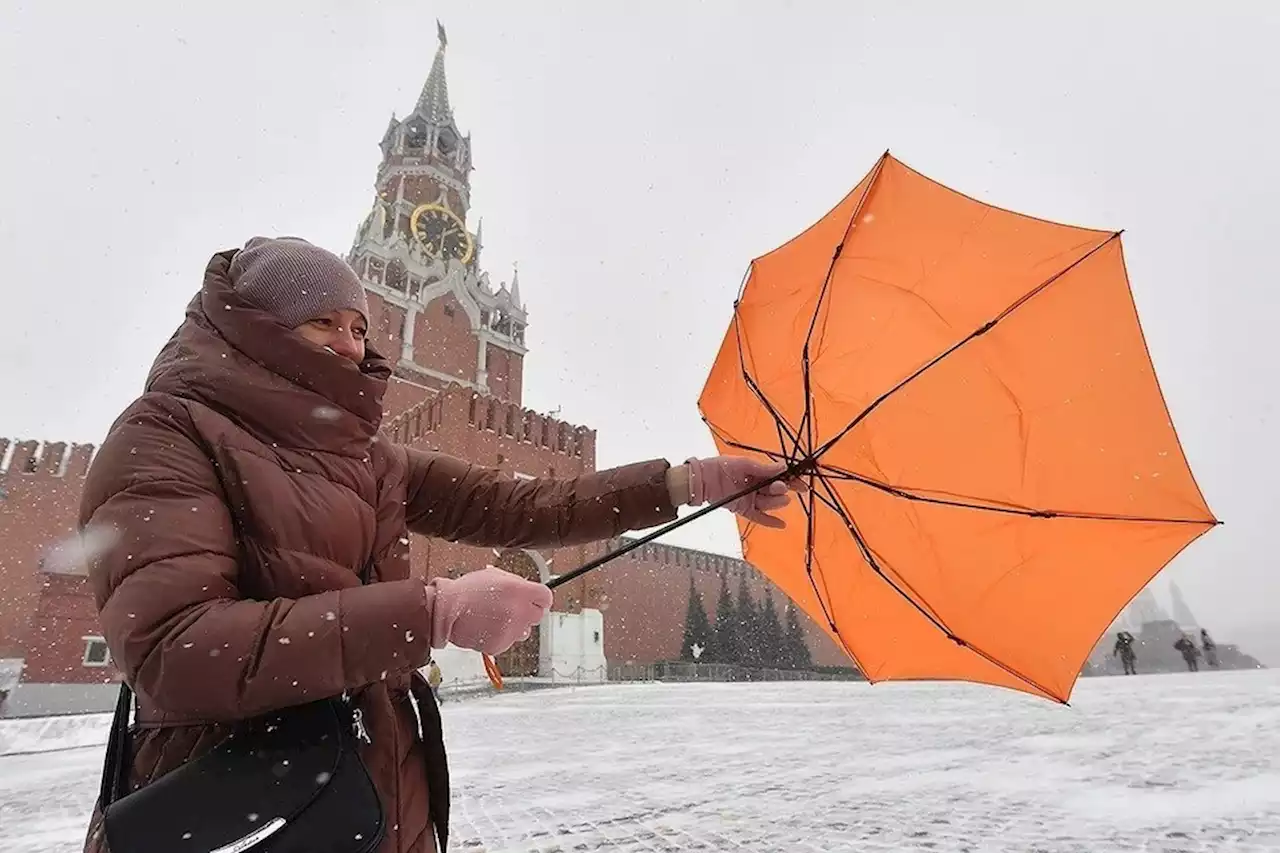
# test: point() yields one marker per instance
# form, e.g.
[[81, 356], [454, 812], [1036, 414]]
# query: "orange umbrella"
[[993, 473]]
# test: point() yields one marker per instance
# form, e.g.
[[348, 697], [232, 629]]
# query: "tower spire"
[[1181, 612], [433, 103], [515, 285]]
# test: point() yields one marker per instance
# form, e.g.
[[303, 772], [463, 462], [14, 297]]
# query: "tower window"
[[448, 310], [96, 653], [397, 277], [446, 142]]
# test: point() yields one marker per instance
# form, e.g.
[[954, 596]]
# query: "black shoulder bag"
[[291, 781]]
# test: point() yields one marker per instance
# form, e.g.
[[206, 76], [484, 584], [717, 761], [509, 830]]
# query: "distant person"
[[434, 678], [1210, 648], [1190, 653], [1124, 650], [259, 525]]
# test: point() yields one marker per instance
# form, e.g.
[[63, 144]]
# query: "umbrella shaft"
[[610, 556]]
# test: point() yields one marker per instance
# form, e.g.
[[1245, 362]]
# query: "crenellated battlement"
[[514, 421], [687, 558], [456, 404], [44, 459], [416, 421]]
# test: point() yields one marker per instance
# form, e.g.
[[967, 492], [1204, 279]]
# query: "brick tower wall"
[[65, 615], [40, 485], [502, 435]]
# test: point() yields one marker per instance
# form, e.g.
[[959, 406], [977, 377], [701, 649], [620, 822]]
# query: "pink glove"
[[712, 480], [489, 610]]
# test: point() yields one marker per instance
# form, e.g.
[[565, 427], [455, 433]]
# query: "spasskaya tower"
[[435, 313]]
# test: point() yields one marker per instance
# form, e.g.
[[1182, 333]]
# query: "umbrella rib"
[[720, 435], [976, 333], [810, 535], [810, 511], [779, 421], [838, 507], [964, 502], [807, 421], [792, 463]]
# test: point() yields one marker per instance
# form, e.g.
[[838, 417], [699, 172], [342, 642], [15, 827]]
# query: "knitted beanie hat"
[[295, 280]]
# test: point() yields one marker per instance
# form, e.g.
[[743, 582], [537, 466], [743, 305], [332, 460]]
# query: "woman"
[[246, 492]]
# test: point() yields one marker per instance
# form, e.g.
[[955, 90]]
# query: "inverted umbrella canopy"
[[993, 473]]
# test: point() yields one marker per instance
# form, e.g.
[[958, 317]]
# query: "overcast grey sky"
[[633, 159]]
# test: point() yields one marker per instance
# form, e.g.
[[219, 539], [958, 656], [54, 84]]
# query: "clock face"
[[441, 233]]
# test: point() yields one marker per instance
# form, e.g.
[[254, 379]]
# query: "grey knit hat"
[[295, 280]]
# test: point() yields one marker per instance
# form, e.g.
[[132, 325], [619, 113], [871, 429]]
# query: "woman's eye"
[[360, 333], [322, 322]]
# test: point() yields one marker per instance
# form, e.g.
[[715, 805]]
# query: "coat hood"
[[242, 361]]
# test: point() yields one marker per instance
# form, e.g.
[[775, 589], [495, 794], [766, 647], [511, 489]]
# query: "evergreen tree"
[[749, 650], [697, 627], [772, 639], [724, 636], [796, 654]]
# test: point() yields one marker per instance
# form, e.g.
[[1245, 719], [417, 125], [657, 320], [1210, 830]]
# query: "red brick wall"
[[41, 498], [404, 394], [457, 421], [423, 189], [64, 615], [505, 370], [647, 594], [443, 339], [386, 323]]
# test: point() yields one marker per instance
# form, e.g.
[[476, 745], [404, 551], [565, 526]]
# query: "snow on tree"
[[697, 627], [724, 647]]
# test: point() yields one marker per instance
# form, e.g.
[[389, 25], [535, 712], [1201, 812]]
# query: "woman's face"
[[342, 332]]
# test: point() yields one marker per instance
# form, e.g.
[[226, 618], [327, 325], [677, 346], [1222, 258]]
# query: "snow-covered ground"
[[1151, 763]]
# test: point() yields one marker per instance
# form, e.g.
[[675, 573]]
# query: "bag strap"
[[115, 768]]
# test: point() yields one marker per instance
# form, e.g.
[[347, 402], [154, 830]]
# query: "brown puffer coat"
[[244, 492]]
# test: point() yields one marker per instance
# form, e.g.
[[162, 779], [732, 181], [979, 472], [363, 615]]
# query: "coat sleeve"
[[455, 500], [162, 558]]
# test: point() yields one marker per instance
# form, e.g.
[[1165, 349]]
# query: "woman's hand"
[[489, 610], [701, 481]]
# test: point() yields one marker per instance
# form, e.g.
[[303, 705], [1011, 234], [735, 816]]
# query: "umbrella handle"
[[491, 670], [791, 471]]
